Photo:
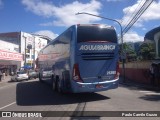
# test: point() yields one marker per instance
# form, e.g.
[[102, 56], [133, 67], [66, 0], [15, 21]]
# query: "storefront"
[[20, 48], [10, 62]]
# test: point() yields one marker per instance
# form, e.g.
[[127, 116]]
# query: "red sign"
[[5, 55], [51, 56]]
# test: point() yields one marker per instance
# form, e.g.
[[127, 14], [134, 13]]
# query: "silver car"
[[21, 75], [32, 74]]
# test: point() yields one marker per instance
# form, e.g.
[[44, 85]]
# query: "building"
[[154, 35], [18, 49]]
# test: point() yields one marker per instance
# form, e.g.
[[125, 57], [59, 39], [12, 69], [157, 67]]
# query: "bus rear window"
[[95, 33]]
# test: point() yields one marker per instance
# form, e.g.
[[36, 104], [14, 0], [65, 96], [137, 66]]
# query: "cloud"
[[64, 15], [144, 29], [152, 13], [48, 33], [132, 37], [1, 3], [114, 0]]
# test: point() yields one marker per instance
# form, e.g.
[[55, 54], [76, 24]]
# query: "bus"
[[84, 58]]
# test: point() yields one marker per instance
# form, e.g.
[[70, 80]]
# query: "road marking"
[[145, 91], [152, 93], [149, 92], [7, 105]]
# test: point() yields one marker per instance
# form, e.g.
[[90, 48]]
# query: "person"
[[3, 75], [0, 75], [12, 73]]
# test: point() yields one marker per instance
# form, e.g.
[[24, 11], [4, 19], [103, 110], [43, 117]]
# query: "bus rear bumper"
[[79, 87]]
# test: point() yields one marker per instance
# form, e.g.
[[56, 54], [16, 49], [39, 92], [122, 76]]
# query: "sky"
[[52, 17]]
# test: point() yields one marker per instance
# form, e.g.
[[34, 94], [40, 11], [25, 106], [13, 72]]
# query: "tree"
[[147, 51], [130, 53]]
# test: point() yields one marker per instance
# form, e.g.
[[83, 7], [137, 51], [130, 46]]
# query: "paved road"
[[35, 96]]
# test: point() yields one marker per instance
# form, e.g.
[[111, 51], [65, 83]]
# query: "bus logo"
[[97, 47]]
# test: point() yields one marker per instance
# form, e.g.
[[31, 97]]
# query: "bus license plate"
[[99, 86]]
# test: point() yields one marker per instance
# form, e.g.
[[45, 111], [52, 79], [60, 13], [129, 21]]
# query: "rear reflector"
[[117, 71], [76, 73]]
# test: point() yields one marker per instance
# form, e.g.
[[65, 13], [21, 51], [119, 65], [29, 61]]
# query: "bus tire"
[[59, 85], [66, 80], [40, 79], [54, 84], [65, 75]]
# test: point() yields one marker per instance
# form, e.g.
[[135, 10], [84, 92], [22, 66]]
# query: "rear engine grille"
[[97, 56]]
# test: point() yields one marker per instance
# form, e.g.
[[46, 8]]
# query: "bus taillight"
[[117, 71], [76, 73]]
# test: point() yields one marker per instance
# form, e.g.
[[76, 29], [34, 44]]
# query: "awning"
[[27, 67]]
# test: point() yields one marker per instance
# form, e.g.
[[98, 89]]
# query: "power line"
[[89, 6], [135, 16], [138, 14], [134, 13]]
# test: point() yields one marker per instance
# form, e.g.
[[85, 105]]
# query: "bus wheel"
[[66, 81], [40, 78], [65, 76], [59, 87], [53, 83]]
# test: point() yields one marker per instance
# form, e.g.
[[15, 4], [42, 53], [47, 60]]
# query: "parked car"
[[32, 74], [20, 75], [45, 74]]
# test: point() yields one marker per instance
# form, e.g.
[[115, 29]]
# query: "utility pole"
[[34, 52], [25, 39]]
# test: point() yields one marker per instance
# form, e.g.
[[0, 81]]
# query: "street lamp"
[[121, 36], [25, 50]]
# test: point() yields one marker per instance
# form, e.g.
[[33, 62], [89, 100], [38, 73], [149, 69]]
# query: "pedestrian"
[[0, 75], [3, 75], [12, 73]]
